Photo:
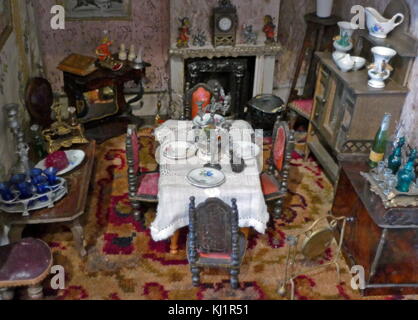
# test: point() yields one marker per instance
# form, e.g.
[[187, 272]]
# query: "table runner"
[[174, 189]]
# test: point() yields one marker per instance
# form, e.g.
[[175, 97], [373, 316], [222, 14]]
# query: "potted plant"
[[324, 8]]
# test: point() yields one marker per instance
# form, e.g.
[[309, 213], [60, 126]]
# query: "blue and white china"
[[206, 177]]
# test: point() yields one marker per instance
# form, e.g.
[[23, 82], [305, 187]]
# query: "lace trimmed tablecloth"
[[174, 190]]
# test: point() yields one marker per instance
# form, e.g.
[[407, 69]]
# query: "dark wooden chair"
[[214, 238], [200, 92], [25, 263], [274, 182], [39, 98], [143, 186]]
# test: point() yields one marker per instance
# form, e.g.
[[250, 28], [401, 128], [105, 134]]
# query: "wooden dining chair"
[[274, 182], [214, 238], [200, 92], [143, 186]]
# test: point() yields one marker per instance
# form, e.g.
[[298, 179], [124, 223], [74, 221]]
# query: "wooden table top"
[[72, 205], [400, 217]]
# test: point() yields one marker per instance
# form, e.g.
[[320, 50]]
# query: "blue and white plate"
[[206, 177]]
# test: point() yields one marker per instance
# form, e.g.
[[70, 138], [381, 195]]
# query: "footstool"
[[24, 264]]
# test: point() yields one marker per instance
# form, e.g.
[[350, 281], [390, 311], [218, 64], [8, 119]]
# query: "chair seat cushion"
[[303, 107], [270, 186], [26, 262], [148, 186]]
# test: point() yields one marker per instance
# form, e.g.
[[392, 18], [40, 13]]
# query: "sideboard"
[[347, 113]]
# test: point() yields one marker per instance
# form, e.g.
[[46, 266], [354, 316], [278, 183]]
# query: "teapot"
[[379, 26]]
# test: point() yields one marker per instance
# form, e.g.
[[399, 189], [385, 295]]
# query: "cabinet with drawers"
[[347, 113]]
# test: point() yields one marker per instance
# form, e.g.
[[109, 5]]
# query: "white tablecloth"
[[174, 189]]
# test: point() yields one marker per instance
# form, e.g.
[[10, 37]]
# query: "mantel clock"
[[225, 24]]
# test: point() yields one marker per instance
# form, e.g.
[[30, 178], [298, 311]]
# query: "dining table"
[[175, 188]]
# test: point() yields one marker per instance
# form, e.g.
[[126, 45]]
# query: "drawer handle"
[[321, 100], [350, 219]]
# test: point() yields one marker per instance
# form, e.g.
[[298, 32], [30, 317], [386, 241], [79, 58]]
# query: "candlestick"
[[132, 54]]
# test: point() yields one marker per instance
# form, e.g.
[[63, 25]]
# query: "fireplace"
[[235, 76]]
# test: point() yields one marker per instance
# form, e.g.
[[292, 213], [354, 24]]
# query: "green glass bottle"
[[380, 141], [395, 159], [407, 174]]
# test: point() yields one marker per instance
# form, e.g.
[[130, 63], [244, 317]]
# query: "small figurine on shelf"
[[103, 51], [122, 53], [199, 38], [184, 33], [132, 54], [395, 159], [250, 37], [407, 174], [269, 29]]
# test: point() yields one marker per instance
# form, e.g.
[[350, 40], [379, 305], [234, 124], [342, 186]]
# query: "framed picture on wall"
[[6, 24], [98, 9]]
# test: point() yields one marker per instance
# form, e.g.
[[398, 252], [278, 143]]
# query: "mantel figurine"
[[250, 37], [184, 33], [269, 29], [103, 50]]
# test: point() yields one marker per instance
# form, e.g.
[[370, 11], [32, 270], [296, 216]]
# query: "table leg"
[[15, 232], [246, 232], [35, 292], [174, 244], [78, 234]]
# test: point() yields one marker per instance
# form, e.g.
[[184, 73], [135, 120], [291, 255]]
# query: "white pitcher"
[[378, 25]]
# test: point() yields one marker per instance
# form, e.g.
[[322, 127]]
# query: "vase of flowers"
[[324, 8]]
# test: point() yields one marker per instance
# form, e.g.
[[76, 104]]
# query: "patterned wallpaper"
[[19, 59], [199, 11], [148, 28]]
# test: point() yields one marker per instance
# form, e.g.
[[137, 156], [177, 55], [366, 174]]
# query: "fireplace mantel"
[[218, 52]]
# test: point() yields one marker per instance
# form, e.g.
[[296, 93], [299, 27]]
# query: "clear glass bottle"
[[380, 142]]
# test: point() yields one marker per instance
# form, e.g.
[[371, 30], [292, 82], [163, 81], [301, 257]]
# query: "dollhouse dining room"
[[208, 150]]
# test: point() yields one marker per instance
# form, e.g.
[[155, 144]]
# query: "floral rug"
[[123, 262]]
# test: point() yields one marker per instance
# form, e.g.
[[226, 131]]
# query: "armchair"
[[274, 182], [143, 186], [214, 238]]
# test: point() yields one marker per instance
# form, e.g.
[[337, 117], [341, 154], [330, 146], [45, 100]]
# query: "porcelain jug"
[[379, 26]]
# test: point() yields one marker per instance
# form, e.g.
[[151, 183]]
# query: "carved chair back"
[[199, 93], [39, 98], [213, 229], [283, 144]]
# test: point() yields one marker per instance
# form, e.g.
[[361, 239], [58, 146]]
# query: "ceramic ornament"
[[379, 26], [132, 55], [122, 53]]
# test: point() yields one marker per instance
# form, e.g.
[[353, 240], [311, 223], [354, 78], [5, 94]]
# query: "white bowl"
[[345, 64], [338, 55], [359, 63]]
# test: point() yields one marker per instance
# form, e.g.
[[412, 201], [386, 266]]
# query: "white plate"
[[246, 150], [75, 158], [177, 150], [206, 177]]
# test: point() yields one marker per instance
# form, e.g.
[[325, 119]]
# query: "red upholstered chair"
[[275, 181], [214, 238], [24, 264], [143, 186], [200, 92]]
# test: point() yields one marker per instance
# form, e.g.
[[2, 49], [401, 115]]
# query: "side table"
[[383, 241], [67, 211]]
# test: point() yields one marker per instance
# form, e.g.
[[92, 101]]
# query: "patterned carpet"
[[123, 262]]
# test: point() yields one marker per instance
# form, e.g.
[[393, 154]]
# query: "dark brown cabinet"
[[383, 241]]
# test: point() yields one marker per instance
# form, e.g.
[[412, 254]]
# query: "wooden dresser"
[[383, 241], [347, 113]]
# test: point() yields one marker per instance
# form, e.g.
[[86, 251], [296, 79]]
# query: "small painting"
[[97, 9], [6, 25]]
